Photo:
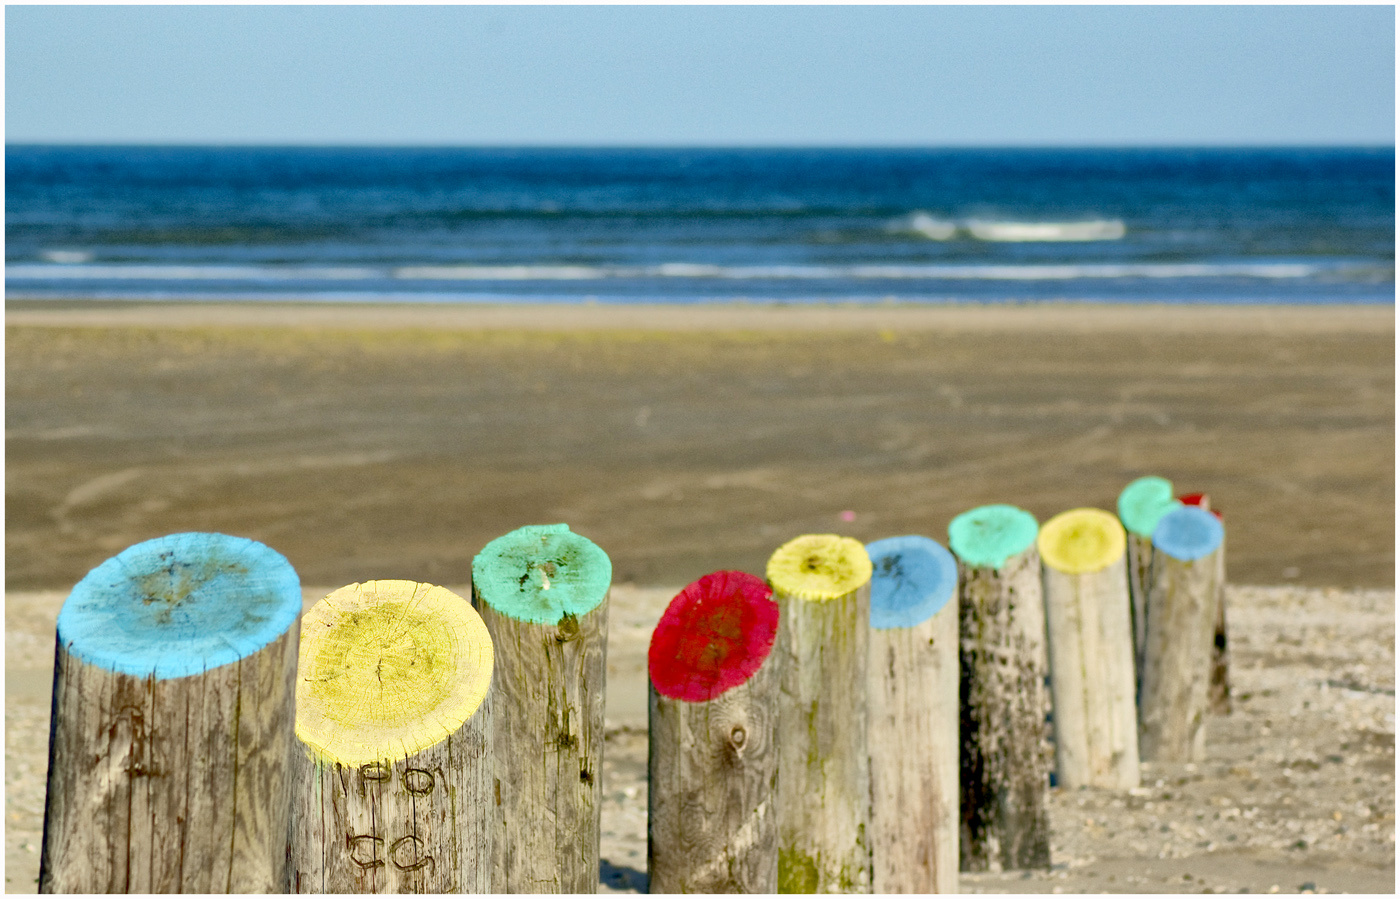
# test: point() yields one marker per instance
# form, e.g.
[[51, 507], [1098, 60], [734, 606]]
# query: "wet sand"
[[378, 441]]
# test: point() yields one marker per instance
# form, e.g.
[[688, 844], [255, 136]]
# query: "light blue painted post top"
[[1188, 533], [987, 536], [1143, 503], [180, 605], [542, 572], [913, 580]]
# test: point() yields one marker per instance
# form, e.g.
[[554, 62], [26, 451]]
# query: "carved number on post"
[[353, 842], [413, 862], [418, 781]]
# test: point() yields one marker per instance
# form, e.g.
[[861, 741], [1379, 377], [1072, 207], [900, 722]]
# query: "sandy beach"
[[376, 441]]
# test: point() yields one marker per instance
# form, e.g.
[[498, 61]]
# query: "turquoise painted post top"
[[1143, 503], [914, 577], [1188, 533], [987, 536], [542, 572], [180, 605]]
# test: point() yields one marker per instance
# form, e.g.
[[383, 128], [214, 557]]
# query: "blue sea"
[[697, 225]]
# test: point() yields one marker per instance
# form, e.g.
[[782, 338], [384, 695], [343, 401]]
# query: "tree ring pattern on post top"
[[1082, 541], [1188, 533], [543, 574], [388, 669], [914, 578], [180, 605], [987, 536], [1143, 503], [714, 635], [818, 567]]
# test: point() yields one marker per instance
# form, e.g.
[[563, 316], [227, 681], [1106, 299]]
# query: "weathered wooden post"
[[543, 592], [1082, 552], [1140, 506], [712, 816], [394, 783], [822, 585], [1220, 658], [913, 736], [170, 746], [1005, 751], [1180, 635]]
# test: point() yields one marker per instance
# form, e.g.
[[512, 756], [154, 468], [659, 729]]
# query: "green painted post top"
[[1143, 503], [985, 537], [542, 572]]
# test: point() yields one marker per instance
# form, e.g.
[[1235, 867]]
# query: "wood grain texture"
[[712, 800], [823, 754], [170, 785], [913, 690], [1179, 656], [1092, 676], [420, 824], [1004, 759], [1220, 703], [394, 779], [546, 804], [1139, 563]]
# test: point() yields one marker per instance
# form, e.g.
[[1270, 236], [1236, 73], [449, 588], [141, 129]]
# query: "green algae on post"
[[541, 573], [987, 536]]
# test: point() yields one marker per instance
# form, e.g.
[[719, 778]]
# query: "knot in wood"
[[738, 736], [568, 629]]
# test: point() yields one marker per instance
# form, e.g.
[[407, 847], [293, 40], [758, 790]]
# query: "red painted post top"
[[1201, 499], [713, 636]]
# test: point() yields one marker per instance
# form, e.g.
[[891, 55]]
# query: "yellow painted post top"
[[388, 669], [818, 567], [1082, 541]]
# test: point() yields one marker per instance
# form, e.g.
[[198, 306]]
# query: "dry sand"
[[375, 441]]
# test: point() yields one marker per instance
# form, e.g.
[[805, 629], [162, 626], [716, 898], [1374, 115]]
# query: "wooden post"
[[712, 817], [1220, 658], [1180, 635], [171, 739], [913, 736], [393, 784], [1004, 760], [822, 585], [1140, 506], [543, 592], [1091, 649]]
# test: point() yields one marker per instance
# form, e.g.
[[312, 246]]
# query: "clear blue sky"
[[736, 75]]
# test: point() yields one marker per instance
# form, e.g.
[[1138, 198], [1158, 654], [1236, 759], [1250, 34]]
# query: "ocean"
[[701, 225]]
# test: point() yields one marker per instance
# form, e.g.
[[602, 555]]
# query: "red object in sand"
[[713, 636]]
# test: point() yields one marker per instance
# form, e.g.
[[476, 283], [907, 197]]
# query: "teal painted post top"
[[542, 572], [913, 579], [985, 537], [180, 605], [1188, 533], [1143, 503]]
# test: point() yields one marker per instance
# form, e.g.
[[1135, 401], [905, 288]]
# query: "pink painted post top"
[[713, 636]]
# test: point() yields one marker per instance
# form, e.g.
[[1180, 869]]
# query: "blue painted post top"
[[180, 605], [1143, 503], [1188, 533], [914, 577], [985, 537]]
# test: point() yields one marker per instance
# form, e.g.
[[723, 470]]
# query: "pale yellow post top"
[[819, 566], [1082, 541], [388, 669]]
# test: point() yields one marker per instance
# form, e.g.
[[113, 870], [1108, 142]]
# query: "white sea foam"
[[920, 222], [499, 273], [1046, 232], [677, 270], [186, 273], [67, 257]]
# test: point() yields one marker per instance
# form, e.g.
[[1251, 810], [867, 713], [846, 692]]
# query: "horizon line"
[[485, 145]]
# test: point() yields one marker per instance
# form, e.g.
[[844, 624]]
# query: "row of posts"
[[865, 718]]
